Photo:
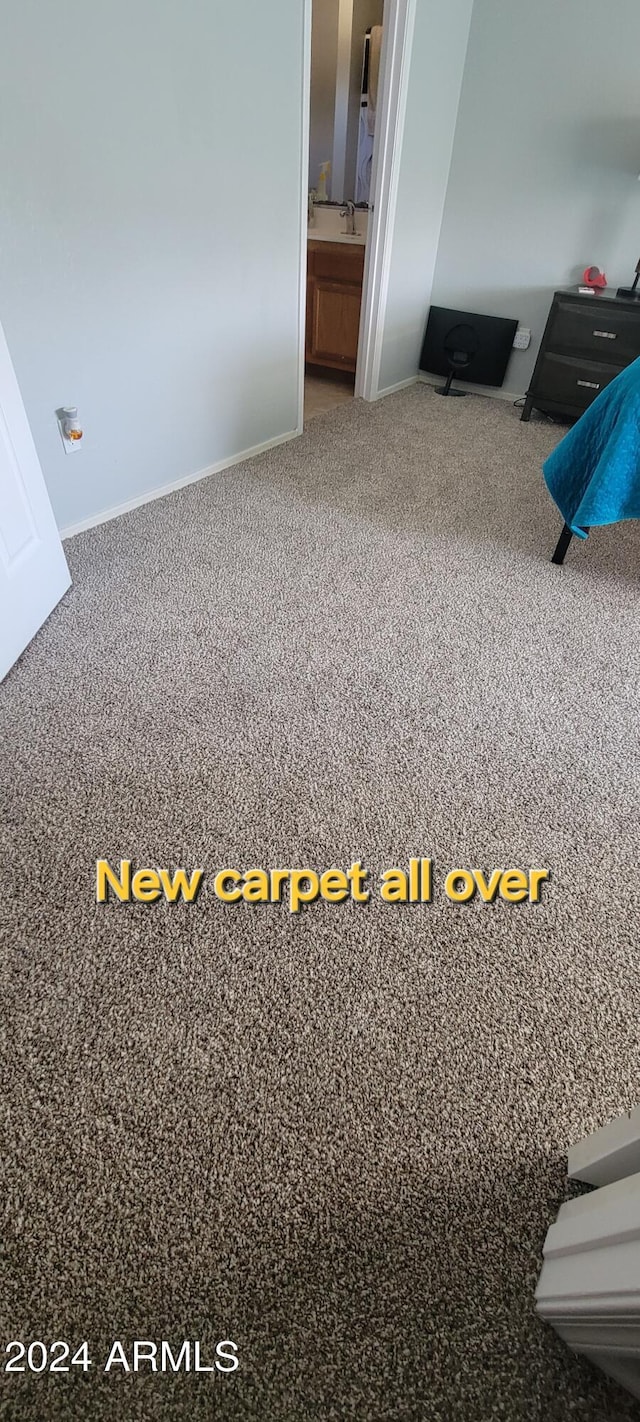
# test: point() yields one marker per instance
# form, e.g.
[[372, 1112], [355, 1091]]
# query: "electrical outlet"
[[70, 431], [522, 339]]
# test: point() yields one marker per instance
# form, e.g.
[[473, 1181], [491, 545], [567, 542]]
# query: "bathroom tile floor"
[[323, 393]]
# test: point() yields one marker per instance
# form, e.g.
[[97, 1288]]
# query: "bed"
[[594, 473]]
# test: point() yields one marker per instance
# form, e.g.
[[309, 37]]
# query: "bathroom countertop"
[[357, 239]]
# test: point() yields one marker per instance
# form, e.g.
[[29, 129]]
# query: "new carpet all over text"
[[297, 887]]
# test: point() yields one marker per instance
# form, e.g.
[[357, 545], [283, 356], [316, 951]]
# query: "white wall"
[[324, 63], [150, 178], [546, 155], [435, 77]]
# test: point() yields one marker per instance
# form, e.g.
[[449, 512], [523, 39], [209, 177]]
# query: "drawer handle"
[[607, 335], [588, 384]]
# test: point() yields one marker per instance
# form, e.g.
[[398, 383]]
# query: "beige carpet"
[[338, 1139]]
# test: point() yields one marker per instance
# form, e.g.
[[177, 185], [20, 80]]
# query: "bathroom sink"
[[328, 226]]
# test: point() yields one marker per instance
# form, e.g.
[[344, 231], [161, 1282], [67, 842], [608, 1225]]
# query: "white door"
[[33, 568]]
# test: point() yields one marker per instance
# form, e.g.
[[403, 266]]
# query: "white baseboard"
[[117, 509], [400, 385], [493, 392], [107, 514]]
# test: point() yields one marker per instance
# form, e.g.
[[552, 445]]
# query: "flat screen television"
[[467, 346]]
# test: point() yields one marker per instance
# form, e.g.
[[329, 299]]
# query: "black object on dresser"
[[587, 341]]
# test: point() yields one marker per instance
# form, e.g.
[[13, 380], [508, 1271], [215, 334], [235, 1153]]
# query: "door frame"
[[395, 58]]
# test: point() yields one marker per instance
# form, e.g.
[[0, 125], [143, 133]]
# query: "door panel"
[[33, 569]]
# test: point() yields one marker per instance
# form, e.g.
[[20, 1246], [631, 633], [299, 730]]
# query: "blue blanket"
[[594, 473]]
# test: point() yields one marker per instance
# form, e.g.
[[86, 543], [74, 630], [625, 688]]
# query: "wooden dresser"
[[587, 341], [334, 294]]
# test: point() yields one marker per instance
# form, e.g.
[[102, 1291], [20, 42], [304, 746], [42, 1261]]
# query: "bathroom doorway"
[[344, 87], [349, 182]]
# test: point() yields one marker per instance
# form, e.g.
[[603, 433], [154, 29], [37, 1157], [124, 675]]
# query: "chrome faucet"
[[349, 212]]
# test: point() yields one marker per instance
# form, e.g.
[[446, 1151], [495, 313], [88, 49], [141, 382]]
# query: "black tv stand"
[[446, 389]]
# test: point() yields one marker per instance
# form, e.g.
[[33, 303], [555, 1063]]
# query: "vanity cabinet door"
[[334, 320], [334, 295]]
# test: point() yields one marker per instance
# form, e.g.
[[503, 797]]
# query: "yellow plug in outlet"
[[71, 431]]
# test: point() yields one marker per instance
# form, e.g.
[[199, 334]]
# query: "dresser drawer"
[[598, 333], [570, 382]]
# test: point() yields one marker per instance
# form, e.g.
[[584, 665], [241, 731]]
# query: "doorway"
[[354, 96], [346, 42]]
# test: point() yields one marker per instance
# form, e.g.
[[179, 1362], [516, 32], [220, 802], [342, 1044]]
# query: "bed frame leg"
[[560, 549]]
